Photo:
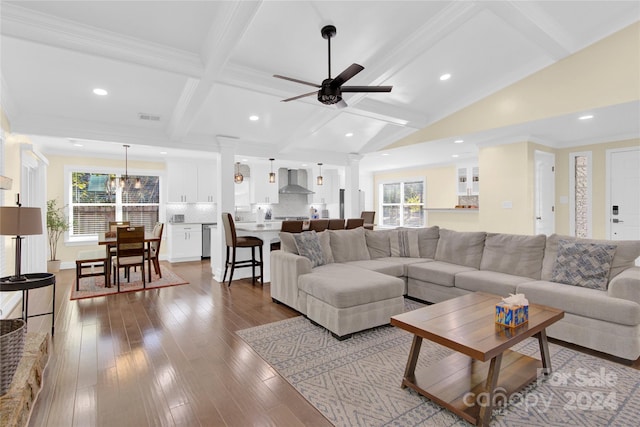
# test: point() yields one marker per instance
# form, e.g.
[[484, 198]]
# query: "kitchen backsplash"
[[469, 200], [193, 212]]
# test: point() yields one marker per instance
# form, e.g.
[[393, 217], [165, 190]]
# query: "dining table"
[[108, 239]]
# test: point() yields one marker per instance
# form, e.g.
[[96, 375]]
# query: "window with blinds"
[[402, 203], [97, 198]]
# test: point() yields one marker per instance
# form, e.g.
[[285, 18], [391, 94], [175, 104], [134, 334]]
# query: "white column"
[[225, 202], [352, 185]]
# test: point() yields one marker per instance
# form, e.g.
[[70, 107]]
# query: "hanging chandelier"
[[124, 179]]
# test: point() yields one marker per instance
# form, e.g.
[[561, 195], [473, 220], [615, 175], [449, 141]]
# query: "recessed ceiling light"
[[304, 164], [245, 160], [254, 118], [455, 155], [458, 141], [446, 76], [348, 134], [586, 117], [385, 154], [77, 144], [163, 152], [100, 92]]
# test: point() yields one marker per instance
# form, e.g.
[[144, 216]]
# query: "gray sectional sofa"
[[351, 280]]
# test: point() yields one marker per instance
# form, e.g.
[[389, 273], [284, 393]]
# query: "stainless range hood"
[[292, 186]]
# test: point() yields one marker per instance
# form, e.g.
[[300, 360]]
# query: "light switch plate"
[[507, 204]]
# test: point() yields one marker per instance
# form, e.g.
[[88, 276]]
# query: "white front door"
[[545, 218], [624, 193]]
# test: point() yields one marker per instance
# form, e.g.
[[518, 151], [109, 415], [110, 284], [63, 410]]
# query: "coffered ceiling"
[[202, 68]]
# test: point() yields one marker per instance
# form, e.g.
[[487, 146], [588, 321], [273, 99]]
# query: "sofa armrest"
[[626, 285], [285, 270]]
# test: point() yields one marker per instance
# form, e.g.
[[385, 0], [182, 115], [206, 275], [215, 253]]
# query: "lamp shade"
[[19, 221]]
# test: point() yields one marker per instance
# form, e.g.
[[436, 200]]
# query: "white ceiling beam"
[[225, 32], [27, 24], [533, 23]]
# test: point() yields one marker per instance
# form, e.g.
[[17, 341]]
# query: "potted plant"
[[57, 224]]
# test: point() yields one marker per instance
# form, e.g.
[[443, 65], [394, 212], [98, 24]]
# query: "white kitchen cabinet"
[[185, 242], [206, 182], [182, 181], [263, 191], [191, 182], [468, 180], [329, 191]]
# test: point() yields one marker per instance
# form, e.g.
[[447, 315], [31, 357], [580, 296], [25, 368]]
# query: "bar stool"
[[234, 241], [336, 224], [354, 223]]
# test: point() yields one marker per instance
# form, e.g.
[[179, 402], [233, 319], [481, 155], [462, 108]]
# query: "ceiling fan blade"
[[341, 104], [300, 96], [296, 80], [351, 71], [366, 88]]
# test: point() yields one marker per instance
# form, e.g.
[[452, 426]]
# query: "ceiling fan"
[[330, 91]]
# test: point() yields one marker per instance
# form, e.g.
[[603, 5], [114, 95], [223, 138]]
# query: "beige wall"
[[56, 188], [506, 177]]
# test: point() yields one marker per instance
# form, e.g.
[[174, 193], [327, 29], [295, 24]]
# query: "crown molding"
[[45, 29]]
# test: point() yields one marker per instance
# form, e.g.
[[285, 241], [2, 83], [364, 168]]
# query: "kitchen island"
[[268, 232]]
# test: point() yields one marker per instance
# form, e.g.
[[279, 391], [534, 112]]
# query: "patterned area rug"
[[356, 382], [91, 287]]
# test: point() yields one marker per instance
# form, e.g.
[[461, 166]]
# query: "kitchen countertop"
[[452, 209], [253, 226]]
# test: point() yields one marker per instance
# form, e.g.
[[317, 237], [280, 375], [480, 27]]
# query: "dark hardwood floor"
[[165, 357]]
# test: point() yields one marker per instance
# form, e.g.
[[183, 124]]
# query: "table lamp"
[[18, 221]]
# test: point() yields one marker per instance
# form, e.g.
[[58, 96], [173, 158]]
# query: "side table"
[[34, 281]]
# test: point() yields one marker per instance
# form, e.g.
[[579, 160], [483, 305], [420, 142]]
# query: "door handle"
[[616, 221], [538, 217]]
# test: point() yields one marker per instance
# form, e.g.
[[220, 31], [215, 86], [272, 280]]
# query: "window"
[[97, 198], [402, 203], [580, 188]]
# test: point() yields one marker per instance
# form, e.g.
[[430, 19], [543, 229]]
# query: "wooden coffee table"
[[483, 372]]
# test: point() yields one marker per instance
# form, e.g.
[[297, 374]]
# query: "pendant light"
[[125, 178], [272, 174], [319, 179], [237, 177]]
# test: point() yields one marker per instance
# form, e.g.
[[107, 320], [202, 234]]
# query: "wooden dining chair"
[[354, 223], [318, 225], [369, 218], [336, 224], [290, 226], [129, 252], [113, 226], [233, 241], [152, 253]]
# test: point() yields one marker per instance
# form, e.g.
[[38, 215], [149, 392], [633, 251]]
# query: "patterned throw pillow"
[[308, 244], [583, 264]]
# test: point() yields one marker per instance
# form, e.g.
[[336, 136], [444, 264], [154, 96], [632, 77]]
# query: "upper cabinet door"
[[468, 180], [182, 181], [207, 175]]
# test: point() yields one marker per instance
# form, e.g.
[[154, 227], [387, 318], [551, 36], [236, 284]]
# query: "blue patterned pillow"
[[583, 264], [308, 244]]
